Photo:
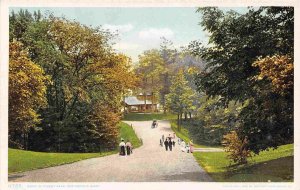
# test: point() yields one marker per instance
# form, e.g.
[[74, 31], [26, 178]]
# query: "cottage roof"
[[132, 100]]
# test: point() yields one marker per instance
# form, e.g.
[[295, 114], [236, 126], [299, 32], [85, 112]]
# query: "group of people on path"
[[169, 143], [186, 147], [125, 148]]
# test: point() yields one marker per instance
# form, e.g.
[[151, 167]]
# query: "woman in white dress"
[[183, 148]]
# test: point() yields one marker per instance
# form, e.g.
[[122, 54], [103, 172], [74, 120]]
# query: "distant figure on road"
[[170, 144], [154, 124], [187, 148], [122, 147], [163, 138], [183, 148], [179, 141], [128, 148], [173, 142], [191, 146], [166, 144]]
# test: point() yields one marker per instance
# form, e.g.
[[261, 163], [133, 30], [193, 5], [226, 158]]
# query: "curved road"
[[149, 163]]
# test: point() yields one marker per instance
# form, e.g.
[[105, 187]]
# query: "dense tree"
[[237, 41], [27, 89], [87, 83]]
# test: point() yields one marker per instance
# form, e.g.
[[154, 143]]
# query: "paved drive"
[[150, 163]]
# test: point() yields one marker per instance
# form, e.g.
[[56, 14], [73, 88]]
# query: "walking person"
[[191, 146], [173, 143], [183, 148], [179, 141], [128, 148], [166, 144], [122, 147], [170, 145], [163, 138]]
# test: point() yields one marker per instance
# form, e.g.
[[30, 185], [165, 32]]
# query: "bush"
[[236, 147]]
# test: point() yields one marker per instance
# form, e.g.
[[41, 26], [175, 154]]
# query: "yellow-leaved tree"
[[26, 94]]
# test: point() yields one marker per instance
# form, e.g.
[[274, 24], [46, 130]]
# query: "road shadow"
[[15, 176]]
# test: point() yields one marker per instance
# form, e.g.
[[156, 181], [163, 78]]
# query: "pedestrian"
[[128, 148], [166, 144], [122, 147], [179, 141], [173, 142], [170, 145], [183, 148], [187, 148], [163, 138], [191, 146]]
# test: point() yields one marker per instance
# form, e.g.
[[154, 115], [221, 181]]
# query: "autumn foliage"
[[236, 147], [79, 108], [279, 69], [27, 88]]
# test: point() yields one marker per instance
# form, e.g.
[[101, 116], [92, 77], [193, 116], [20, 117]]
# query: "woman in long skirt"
[[128, 148], [122, 147], [191, 146]]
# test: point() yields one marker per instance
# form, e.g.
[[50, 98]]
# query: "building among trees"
[[140, 103]]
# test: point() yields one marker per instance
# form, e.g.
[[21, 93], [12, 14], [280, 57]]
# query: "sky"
[[139, 29]]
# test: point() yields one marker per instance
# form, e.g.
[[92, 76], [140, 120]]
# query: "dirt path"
[[150, 163]]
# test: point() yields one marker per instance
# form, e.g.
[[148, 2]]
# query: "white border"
[[4, 12]]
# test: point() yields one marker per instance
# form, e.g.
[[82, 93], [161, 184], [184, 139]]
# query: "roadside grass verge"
[[273, 165], [127, 133], [21, 160], [148, 116]]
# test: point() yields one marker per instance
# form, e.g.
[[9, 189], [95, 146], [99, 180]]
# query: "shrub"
[[236, 147]]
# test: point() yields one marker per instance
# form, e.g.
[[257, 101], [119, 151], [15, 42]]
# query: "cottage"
[[138, 104]]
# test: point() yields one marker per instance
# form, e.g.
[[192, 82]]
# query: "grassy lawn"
[[275, 165], [148, 116], [20, 160]]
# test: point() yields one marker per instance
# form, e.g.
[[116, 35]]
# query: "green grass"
[[275, 165], [127, 133], [148, 116], [20, 160]]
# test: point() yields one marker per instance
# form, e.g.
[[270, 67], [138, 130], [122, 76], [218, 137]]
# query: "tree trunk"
[[145, 101], [190, 115], [180, 121], [185, 116], [178, 118]]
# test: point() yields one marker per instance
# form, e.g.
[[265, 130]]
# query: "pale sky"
[[139, 28]]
